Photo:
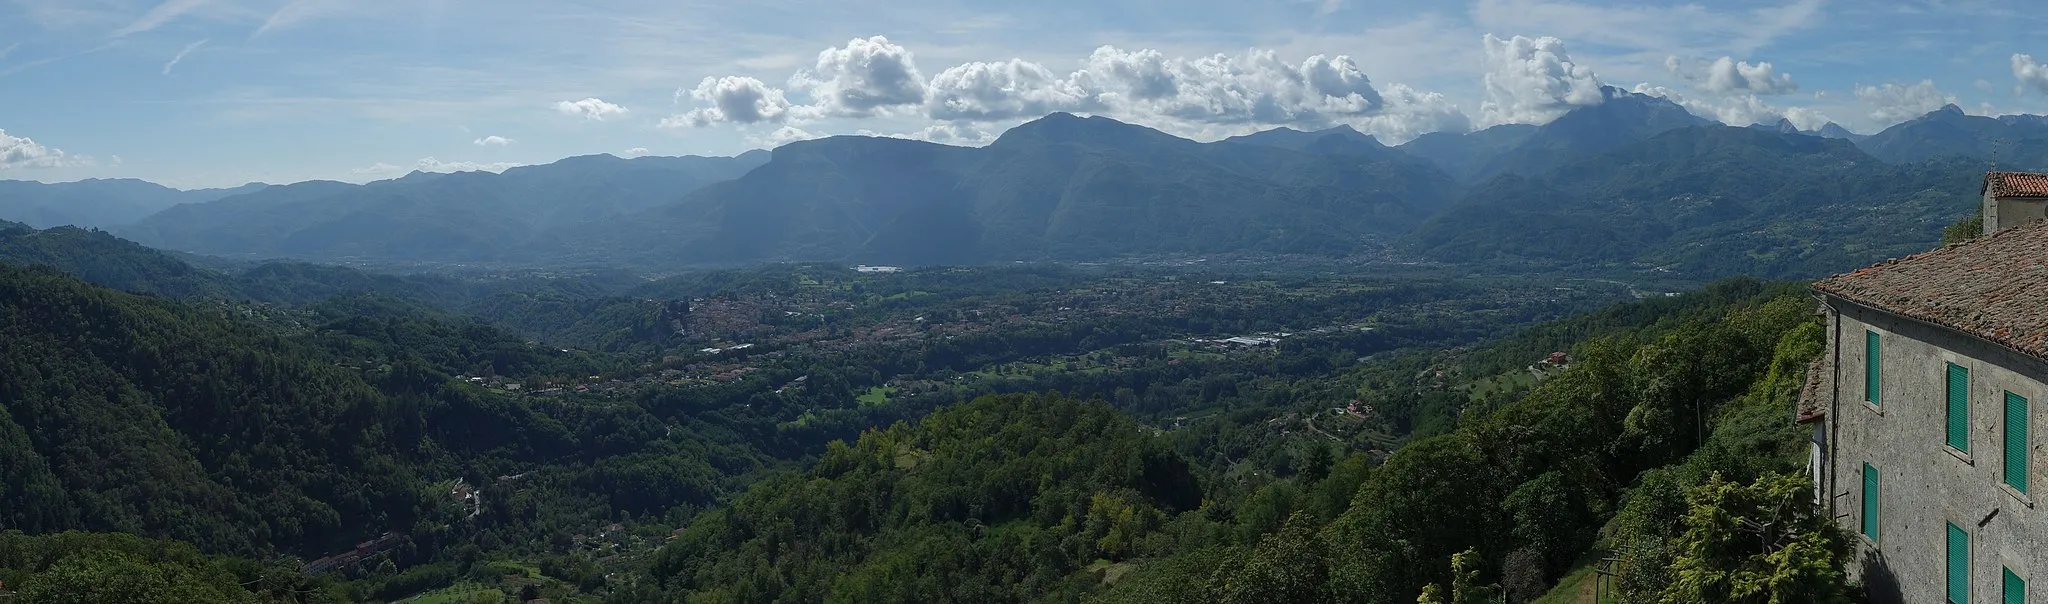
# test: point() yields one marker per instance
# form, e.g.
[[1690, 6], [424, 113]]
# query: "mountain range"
[[1634, 180]]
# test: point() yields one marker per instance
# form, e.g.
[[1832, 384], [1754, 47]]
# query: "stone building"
[[1925, 442]]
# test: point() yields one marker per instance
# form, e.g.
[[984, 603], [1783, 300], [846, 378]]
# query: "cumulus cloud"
[[1729, 76], [636, 152], [20, 153], [1254, 88], [872, 76], [493, 141], [2030, 72], [1003, 90], [1739, 110], [1893, 103], [1533, 80], [866, 75], [1410, 113], [590, 109], [735, 99]]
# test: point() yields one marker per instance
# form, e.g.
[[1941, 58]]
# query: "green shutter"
[[1958, 566], [1959, 407], [1870, 502], [2016, 441], [1871, 383], [2015, 589]]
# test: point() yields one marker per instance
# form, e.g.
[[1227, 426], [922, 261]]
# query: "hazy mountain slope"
[[2020, 144], [1714, 200], [1059, 187], [97, 203], [1623, 119], [1463, 154], [472, 216]]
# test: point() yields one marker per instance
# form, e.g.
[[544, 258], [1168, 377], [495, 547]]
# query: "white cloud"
[[735, 99], [2030, 72], [1410, 113], [870, 77], [181, 55], [784, 135], [493, 141], [1254, 88], [156, 17], [1002, 90], [955, 134], [1533, 80], [1729, 76], [20, 153], [636, 152], [867, 75], [376, 169], [429, 164], [1893, 103], [434, 165], [590, 109]]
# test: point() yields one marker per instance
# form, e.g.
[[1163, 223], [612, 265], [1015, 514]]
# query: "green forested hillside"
[[1709, 201], [1029, 498]]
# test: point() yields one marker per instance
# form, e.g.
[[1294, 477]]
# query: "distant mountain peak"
[[1950, 108], [1067, 127]]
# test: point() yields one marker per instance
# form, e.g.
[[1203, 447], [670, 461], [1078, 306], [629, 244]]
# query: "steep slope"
[[1059, 187], [471, 216], [2016, 143], [1463, 154], [97, 203], [301, 433], [1834, 130], [1711, 200], [1298, 140], [126, 414], [1624, 118], [103, 259]]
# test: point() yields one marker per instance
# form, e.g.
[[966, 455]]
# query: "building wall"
[[1924, 484], [2004, 213]]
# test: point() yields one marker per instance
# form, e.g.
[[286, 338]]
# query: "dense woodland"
[[238, 439]]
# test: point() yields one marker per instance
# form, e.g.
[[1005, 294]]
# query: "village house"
[[1924, 443]]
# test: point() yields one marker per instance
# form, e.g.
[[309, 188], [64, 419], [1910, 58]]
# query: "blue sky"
[[196, 93]]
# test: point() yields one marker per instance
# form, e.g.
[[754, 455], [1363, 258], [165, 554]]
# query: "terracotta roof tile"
[[2015, 184], [1994, 287], [1818, 391]]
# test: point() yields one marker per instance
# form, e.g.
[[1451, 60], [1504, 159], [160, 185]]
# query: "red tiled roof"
[[1818, 391], [1994, 287], [2015, 184]]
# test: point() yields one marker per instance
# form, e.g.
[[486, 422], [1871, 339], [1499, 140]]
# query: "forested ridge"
[[1648, 415]]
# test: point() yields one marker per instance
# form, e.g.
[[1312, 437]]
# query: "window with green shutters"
[[2016, 441], [1870, 368], [2015, 589], [1870, 502], [1958, 565], [1959, 407]]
